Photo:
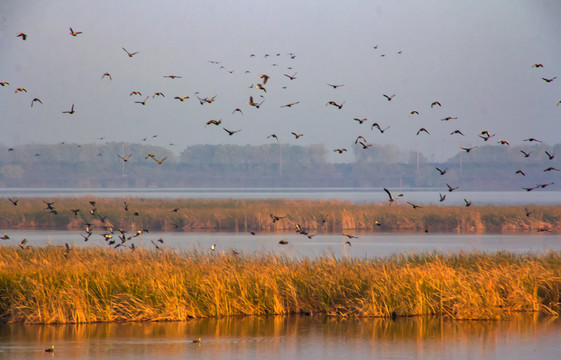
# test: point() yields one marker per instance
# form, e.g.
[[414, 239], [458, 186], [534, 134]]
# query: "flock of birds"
[[256, 99]]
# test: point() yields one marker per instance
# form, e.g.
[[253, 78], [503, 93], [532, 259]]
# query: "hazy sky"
[[474, 57]]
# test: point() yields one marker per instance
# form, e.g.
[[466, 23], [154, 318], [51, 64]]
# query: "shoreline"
[[329, 216]]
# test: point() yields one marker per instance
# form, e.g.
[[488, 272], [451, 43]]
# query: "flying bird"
[[392, 199], [4, 83], [22, 36], [291, 77], [442, 172], [172, 76], [415, 206], [125, 159], [273, 136], [237, 110], [36, 100], [340, 151], [290, 105], [414, 112], [450, 188], [297, 136], [503, 142], [537, 65], [389, 97], [532, 139], [20, 90], [435, 103], [214, 122], [108, 75], [182, 98], [457, 132], [335, 86], [142, 102], [521, 172], [376, 125], [74, 33], [230, 133], [422, 130], [135, 93], [448, 118], [129, 53], [549, 80], [265, 78], [331, 102], [550, 156], [71, 111], [360, 120], [526, 154], [442, 197], [468, 203], [14, 202]]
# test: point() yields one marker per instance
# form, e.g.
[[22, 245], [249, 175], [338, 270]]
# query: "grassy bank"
[[52, 285], [255, 215]]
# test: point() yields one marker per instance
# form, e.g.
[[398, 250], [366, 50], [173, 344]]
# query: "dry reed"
[[52, 285]]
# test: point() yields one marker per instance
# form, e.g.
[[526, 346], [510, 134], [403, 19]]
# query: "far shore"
[[273, 215]]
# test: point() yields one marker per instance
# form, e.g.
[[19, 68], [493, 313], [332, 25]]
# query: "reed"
[[52, 285], [254, 215]]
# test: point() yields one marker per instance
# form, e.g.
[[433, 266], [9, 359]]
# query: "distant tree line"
[[490, 167]]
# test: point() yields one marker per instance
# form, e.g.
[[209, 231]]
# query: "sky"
[[474, 57]]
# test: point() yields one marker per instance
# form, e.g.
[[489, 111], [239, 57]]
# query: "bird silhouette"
[[549, 80], [468, 149], [129, 53], [297, 136], [550, 156], [20, 90], [290, 105], [265, 78], [276, 218], [448, 118], [22, 36], [414, 112], [521, 172], [391, 197], [237, 110], [14, 202], [389, 97], [442, 172], [442, 197], [125, 159], [335, 86], [376, 125], [526, 154], [350, 236], [135, 93], [274, 136], [450, 188], [36, 100], [108, 75], [51, 349], [283, 242], [158, 94], [468, 203], [457, 132], [550, 169], [331, 102], [340, 151], [537, 65], [422, 130], [214, 122], [291, 77], [74, 33], [503, 142], [172, 76], [5, 237], [532, 140], [71, 111], [143, 102], [415, 206], [260, 87], [230, 133], [434, 103], [4, 83], [181, 98]]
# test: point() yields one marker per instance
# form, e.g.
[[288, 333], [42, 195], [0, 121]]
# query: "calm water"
[[523, 337], [422, 196], [366, 245]]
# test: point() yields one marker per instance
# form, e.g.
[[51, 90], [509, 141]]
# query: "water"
[[522, 337], [356, 195], [364, 246]]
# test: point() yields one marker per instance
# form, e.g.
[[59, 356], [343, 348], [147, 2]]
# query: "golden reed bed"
[[255, 215], [53, 285]]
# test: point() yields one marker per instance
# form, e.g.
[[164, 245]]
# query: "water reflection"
[[522, 337]]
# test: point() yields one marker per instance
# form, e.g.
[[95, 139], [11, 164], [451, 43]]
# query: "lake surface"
[[522, 337], [421, 196], [299, 246]]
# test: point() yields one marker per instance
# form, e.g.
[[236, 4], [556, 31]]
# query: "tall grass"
[[254, 215], [52, 285]]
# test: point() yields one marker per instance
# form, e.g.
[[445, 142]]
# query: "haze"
[[475, 58]]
